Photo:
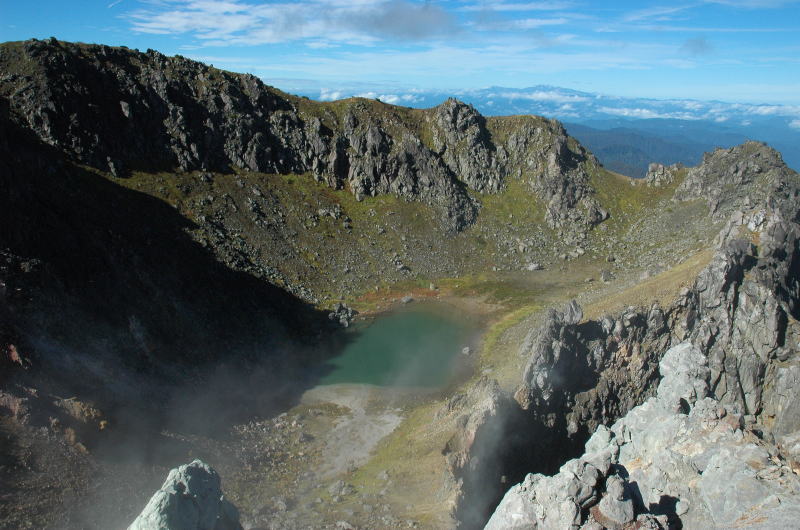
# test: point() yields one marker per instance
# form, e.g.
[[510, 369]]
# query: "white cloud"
[[646, 113], [320, 45], [692, 105], [392, 99], [530, 23], [327, 94], [540, 95], [773, 110], [238, 22], [518, 6], [658, 13], [795, 124]]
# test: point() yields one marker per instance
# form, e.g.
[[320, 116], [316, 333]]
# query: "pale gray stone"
[[190, 499]]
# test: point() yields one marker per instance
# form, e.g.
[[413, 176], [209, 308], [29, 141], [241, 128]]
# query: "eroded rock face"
[[681, 455], [592, 372], [190, 499], [557, 166], [461, 138], [740, 313]]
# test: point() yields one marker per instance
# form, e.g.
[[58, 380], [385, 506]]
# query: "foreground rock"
[[190, 499], [682, 457]]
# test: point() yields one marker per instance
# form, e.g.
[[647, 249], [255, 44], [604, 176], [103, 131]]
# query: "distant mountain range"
[[626, 134]]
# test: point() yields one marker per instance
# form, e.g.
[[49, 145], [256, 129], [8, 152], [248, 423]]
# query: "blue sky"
[[732, 50]]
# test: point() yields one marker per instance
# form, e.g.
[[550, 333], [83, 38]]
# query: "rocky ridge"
[[119, 110], [739, 177]]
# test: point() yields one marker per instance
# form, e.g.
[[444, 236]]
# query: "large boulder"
[[190, 499]]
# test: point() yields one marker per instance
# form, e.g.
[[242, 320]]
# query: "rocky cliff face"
[[119, 110], [739, 313], [681, 459], [740, 320]]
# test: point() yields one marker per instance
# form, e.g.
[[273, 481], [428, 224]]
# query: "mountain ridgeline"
[[120, 110]]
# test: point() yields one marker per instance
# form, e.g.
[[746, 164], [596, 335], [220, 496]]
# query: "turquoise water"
[[416, 347]]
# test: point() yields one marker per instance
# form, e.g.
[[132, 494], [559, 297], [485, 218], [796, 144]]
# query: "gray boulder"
[[681, 454], [616, 506], [190, 499]]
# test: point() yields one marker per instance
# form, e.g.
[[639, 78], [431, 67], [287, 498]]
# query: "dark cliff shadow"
[[129, 312], [508, 447], [516, 441]]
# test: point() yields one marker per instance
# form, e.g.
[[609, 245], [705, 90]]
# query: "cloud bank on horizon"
[[734, 50]]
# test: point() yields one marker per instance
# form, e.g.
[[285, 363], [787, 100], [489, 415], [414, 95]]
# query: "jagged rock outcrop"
[[747, 306], [734, 178], [342, 314], [682, 457], [120, 110], [558, 171], [660, 175], [190, 499], [462, 140]]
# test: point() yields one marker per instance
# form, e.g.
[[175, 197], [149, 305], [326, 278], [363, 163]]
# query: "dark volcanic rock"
[[594, 371]]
